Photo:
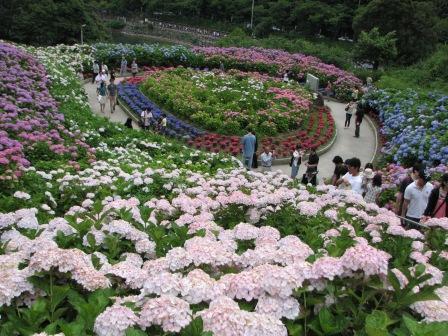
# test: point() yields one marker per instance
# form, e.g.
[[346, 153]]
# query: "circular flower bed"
[[228, 102], [281, 113]]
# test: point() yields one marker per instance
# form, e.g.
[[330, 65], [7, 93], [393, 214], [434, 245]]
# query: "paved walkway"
[[119, 116], [346, 145]]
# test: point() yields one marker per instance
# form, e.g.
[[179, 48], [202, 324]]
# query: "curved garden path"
[[345, 145]]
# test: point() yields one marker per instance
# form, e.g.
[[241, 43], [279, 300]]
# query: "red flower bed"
[[319, 131]]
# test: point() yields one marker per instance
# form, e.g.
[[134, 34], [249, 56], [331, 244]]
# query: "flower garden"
[[224, 104], [111, 231]]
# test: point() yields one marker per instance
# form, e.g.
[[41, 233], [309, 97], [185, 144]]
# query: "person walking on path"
[[248, 142], [296, 161], [123, 66], [102, 93], [266, 159], [339, 169], [416, 197], [101, 77], [134, 68], [438, 201], [112, 92], [352, 178], [95, 71], [350, 108], [373, 189], [146, 119], [358, 120], [310, 175]]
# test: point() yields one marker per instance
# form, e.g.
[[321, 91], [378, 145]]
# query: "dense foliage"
[[414, 124], [152, 238], [49, 22]]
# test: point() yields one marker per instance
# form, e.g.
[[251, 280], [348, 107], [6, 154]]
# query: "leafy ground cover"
[[153, 238]]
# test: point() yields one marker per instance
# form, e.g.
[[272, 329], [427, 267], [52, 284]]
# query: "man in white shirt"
[[266, 160], [353, 178], [416, 196], [101, 77]]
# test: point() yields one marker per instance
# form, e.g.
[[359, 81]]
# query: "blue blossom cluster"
[[137, 102], [415, 125]]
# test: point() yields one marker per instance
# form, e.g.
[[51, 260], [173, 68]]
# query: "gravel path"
[[346, 145]]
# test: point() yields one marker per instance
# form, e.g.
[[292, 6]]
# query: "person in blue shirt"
[[248, 143]]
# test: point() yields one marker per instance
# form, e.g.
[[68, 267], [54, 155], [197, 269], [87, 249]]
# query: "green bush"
[[117, 24]]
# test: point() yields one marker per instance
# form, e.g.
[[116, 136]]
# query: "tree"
[[47, 22], [375, 48], [413, 22]]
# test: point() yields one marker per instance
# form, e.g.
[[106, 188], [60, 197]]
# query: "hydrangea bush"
[[153, 238], [272, 61], [414, 124]]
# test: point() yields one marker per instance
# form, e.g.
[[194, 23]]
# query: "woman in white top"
[[353, 178], [266, 159], [296, 160]]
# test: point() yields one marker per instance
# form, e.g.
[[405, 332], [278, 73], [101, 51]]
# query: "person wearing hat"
[[416, 197], [367, 177], [373, 189], [438, 200]]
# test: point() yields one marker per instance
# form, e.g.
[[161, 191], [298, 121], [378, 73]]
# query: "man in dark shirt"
[[359, 116]]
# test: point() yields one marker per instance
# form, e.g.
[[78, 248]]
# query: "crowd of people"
[[417, 199]]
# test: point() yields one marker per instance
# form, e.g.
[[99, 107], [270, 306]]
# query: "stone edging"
[[125, 108], [375, 130]]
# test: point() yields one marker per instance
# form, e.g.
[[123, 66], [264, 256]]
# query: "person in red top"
[[438, 199]]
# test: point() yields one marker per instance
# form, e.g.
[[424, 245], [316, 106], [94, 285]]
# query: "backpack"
[[299, 161]]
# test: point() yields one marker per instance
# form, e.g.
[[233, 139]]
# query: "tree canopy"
[[419, 25], [48, 22]]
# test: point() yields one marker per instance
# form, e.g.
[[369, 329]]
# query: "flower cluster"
[[414, 124]]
